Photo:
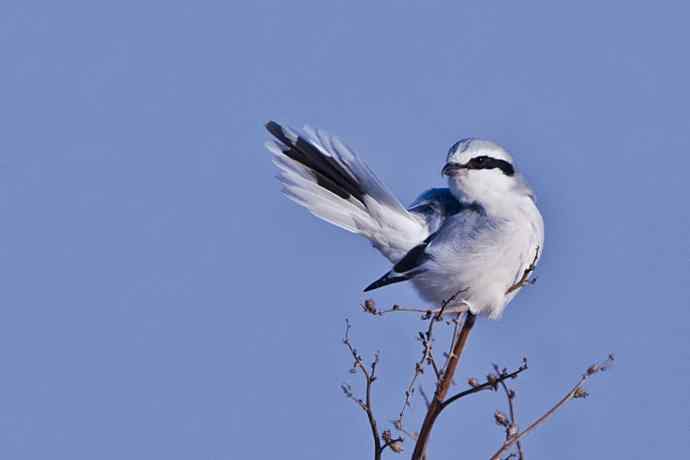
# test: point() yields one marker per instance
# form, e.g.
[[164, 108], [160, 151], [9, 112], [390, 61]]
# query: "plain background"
[[159, 298]]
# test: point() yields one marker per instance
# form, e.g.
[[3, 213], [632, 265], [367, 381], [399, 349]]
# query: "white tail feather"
[[376, 214]]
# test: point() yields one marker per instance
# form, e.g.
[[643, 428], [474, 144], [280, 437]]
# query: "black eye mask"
[[486, 162]]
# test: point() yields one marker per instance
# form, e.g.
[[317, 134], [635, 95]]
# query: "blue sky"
[[161, 299]]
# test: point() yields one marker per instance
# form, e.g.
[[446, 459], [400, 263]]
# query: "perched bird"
[[473, 243]]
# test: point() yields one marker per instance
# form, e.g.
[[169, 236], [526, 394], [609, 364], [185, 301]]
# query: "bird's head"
[[478, 169]]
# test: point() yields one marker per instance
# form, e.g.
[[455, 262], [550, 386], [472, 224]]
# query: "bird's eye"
[[479, 161]]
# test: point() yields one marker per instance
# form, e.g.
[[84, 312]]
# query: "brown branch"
[[490, 384], [369, 306], [443, 385], [369, 377], [426, 338], [577, 391], [394, 444]]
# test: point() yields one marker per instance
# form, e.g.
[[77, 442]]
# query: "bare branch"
[[513, 427], [577, 391], [369, 377], [395, 444], [369, 306], [456, 325], [427, 358], [398, 426], [444, 384], [444, 380], [490, 384]]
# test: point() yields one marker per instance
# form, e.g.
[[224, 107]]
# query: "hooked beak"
[[451, 168]]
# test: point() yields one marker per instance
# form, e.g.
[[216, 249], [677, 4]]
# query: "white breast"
[[486, 258]]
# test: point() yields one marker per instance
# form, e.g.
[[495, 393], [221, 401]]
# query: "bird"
[[470, 246]]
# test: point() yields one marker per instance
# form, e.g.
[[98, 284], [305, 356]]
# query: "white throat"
[[496, 193]]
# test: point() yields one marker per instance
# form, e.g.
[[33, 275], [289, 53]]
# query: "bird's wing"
[[325, 176], [434, 206], [413, 263]]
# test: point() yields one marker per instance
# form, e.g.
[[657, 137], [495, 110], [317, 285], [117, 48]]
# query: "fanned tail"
[[322, 174]]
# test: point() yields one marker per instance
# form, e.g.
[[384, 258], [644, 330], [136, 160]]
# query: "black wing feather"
[[406, 268]]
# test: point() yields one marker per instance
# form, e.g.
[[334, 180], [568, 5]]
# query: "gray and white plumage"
[[476, 237]]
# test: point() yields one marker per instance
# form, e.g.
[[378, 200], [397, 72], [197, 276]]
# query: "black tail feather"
[[329, 174]]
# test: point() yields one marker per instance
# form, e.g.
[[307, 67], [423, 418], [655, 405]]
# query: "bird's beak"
[[451, 168]]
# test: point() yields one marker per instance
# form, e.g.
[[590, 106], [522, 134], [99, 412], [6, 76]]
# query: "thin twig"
[[394, 444], [513, 428], [456, 325], [490, 384], [369, 306], [426, 338], [369, 377], [576, 392], [412, 435]]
